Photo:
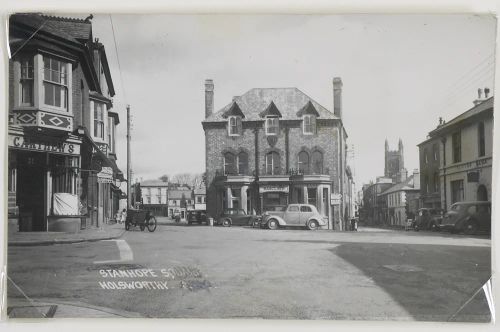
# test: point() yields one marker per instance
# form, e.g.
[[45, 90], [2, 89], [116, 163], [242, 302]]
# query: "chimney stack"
[[480, 98], [337, 97], [209, 97]]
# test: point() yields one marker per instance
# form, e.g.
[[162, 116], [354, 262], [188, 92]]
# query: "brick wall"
[[79, 77]]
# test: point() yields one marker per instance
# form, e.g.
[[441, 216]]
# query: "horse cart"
[[142, 218]]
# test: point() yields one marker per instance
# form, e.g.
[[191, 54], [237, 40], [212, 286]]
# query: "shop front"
[[42, 169], [274, 193], [236, 192]]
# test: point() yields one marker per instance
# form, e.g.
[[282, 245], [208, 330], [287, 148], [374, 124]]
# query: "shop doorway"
[[482, 193], [31, 192]]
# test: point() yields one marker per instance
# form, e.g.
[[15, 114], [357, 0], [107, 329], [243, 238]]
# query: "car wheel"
[[226, 222], [471, 228], [313, 225], [272, 224]]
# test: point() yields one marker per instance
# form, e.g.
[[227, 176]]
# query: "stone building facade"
[[270, 147], [465, 154]]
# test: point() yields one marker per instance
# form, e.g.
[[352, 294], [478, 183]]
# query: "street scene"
[[162, 166]]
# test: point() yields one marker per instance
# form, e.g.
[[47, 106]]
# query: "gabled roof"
[[289, 101], [233, 110], [403, 186], [153, 183], [200, 191], [486, 105], [270, 111], [308, 109]]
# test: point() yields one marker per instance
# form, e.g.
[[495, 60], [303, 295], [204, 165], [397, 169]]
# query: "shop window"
[[243, 163], [457, 191], [317, 162], [26, 82], [235, 127], [272, 163], [55, 83], [456, 142], [272, 126], [311, 197], [303, 162], [229, 164], [481, 140], [98, 120], [309, 124]]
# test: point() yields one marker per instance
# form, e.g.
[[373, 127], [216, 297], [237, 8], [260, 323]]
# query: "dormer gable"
[[271, 110], [234, 110], [308, 109]]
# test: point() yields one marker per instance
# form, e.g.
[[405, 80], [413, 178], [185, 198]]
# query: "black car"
[[196, 217], [238, 217]]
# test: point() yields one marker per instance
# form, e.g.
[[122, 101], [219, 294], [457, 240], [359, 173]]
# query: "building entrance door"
[[31, 192]]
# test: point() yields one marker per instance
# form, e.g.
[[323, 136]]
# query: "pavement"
[[54, 308], [105, 232]]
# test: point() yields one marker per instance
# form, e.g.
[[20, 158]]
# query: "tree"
[[164, 178]]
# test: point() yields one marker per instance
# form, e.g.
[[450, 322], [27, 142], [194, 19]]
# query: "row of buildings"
[[62, 171], [455, 165], [167, 199], [273, 146]]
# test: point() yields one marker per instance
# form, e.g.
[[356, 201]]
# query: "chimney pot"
[[209, 97], [337, 96], [486, 92], [479, 93]]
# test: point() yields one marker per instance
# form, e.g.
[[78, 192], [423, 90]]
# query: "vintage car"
[[196, 217], [428, 218], [237, 217], [295, 215], [467, 217]]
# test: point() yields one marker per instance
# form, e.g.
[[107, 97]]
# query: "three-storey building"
[[271, 147]]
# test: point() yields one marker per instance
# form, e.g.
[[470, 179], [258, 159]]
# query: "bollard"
[[211, 221]]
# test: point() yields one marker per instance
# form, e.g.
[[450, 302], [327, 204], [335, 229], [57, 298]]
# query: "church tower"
[[394, 162]]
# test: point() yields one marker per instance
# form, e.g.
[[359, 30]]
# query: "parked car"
[[197, 217], [467, 217], [428, 218], [238, 217], [298, 215]]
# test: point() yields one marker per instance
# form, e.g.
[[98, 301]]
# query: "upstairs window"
[[26, 82], [425, 156], [98, 120], [317, 162], [242, 163], [456, 141], [481, 141], [308, 124], [55, 83], [235, 127], [303, 162], [272, 126], [229, 164], [272, 163], [435, 151]]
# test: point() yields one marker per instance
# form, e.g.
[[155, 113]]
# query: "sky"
[[400, 74]]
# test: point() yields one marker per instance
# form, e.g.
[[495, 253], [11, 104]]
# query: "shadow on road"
[[431, 282]]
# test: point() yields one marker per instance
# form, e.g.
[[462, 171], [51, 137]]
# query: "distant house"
[[180, 200], [200, 199], [154, 196], [401, 200]]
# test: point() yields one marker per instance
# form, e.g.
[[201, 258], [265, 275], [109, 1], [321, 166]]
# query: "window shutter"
[[240, 129]]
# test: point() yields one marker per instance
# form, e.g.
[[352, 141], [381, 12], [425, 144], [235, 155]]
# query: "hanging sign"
[[105, 175]]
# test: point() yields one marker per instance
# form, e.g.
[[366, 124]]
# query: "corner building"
[[273, 146]]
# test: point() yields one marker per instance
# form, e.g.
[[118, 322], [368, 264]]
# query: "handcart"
[[142, 218]]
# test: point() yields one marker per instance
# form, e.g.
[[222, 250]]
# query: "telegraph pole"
[[129, 172]]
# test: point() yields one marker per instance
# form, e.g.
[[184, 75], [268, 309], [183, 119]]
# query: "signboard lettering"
[[273, 188], [29, 143], [105, 175]]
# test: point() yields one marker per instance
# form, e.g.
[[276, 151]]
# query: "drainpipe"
[[443, 140]]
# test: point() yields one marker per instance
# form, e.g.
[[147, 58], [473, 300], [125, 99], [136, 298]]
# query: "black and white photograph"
[[334, 167]]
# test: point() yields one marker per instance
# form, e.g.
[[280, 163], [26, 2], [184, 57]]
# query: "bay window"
[[26, 82], [98, 120], [55, 83]]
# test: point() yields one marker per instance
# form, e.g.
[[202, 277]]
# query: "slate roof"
[[407, 185], [71, 29], [154, 183], [177, 194], [200, 191], [289, 101], [483, 106]]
